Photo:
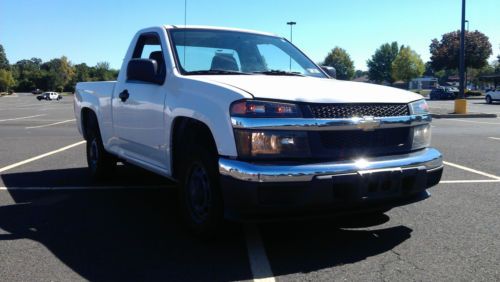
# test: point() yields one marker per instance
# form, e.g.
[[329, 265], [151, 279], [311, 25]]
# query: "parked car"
[[440, 93], [36, 91], [492, 95], [49, 96], [246, 137]]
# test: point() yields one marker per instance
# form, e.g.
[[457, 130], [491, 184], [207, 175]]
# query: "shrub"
[[473, 93]]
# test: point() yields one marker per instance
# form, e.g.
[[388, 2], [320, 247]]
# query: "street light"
[[291, 24]]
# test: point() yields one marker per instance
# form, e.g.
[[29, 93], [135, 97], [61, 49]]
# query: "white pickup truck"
[[250, 128]]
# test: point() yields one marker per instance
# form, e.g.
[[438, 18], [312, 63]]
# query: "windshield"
[[206, 51]]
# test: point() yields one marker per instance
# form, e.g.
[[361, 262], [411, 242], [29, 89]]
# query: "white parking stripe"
[[473, 170], [41, 156], [468, 181], [9, 119], [259, 264], [55, 123], [494, 138]]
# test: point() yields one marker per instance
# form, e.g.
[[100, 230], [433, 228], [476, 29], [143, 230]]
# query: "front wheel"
[[488, 99], [200, 197]]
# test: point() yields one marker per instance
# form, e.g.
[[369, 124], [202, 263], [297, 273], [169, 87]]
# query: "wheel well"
[[187, 132], [85, 115]]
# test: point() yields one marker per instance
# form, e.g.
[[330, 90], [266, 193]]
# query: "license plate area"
[[378, 184]]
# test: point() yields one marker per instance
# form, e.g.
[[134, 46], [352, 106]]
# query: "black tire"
[[200, 198], [101, 163], [488, 99], [431, 96]]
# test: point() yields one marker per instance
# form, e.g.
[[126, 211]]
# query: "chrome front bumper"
[[428, 159]]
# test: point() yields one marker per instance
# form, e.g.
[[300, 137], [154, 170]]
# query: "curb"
[[471, 115]]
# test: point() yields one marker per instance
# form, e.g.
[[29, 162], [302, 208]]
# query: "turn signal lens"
[[263, 109], [421, 136]]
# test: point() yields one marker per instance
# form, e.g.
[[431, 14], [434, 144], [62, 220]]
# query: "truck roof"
[[218, 28]]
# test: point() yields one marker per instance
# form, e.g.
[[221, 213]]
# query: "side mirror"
[[331, 71], [145, 70]]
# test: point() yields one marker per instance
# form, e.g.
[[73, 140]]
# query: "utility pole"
[[291, 24], [460, 102], [465, 65]]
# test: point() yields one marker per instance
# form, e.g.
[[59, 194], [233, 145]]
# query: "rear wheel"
[[488, 99], [101, 163]]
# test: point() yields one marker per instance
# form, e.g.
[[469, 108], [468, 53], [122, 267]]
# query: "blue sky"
[[98, 30]]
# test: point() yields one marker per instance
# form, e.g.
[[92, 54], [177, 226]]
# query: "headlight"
[[264, 109], [273, 144], [419, 107], [421, 136]]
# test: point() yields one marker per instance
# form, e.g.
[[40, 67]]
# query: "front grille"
[[357, 110], [357, 143]]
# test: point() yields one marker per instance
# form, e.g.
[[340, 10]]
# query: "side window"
[[149, 47]]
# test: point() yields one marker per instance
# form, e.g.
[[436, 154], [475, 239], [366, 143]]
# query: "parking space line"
[[55, 123], [259, 264], [468, 181], [41, 156], [494, 138], [9, 119], [472, 170]]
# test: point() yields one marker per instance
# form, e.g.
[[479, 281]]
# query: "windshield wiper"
[[279, 72], [217, 72]]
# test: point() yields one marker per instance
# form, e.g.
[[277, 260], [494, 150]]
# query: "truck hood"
[[313, 90]]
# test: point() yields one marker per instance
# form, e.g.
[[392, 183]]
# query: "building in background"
[[421, 83]]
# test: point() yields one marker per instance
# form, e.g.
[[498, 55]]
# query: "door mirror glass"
[[331, 71], [145, 70]]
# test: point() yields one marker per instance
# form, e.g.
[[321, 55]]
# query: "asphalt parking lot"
[[56, 225]]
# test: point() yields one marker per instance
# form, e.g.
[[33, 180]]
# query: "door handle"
[[124, 95]]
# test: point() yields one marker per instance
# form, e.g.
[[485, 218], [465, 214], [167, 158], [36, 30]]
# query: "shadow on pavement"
[[315, 245], [134, 234]]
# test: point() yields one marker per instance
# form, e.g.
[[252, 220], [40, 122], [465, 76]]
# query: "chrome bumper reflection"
[[354, 123], [428, 158]]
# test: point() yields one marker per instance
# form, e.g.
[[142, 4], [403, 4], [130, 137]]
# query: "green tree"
[[6, 80], [4, 63], [60, 73], [341, 61], [380, 65], [445, 52], [407, 65]]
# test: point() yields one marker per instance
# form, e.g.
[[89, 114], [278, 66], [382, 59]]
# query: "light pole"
[[460, 102], [466, 82], [291, 24]]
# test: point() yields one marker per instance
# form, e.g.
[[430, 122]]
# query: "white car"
[[493, 95], [251, 128], [49, 96]]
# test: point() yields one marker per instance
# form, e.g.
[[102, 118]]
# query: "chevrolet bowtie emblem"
[[368, 123]]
